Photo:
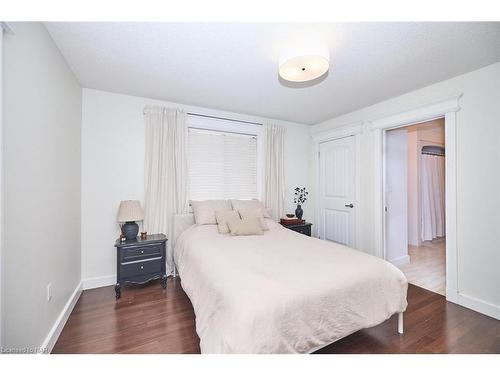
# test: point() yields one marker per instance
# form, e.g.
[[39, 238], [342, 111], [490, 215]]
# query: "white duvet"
[[282, 292]]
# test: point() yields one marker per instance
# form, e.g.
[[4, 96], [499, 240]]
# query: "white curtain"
[[165, 171], [433, 197], [274, 179]]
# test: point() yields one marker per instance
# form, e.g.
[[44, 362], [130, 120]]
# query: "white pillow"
[[204, 211], [249, 204], [223, 217], [245, 227], [254, 214]]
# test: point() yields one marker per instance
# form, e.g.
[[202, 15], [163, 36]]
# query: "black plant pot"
[[299, 212], [130, 230]]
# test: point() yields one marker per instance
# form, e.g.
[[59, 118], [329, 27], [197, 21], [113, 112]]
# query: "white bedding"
[[282, 292]]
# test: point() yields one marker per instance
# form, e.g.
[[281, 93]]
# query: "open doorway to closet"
[[415, 203]]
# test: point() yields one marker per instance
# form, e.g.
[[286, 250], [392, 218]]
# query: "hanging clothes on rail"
[[433, 192]]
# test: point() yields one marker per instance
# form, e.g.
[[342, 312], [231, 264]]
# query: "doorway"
[[415, 205]]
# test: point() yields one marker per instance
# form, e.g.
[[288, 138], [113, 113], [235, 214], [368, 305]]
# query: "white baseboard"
[[405, 259], [479, 305], [61, 320], [98, 282], [473, 303]]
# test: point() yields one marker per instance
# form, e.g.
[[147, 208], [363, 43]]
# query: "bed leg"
[[400, 323], [175, 271]]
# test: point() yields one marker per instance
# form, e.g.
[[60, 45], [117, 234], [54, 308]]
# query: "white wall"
[[478, 175], [113, 163], [42, 123], [432, 132]]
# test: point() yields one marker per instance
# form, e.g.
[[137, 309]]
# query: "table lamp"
[[128, 213]]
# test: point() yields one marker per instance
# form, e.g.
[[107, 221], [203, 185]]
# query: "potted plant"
[[299, 199]]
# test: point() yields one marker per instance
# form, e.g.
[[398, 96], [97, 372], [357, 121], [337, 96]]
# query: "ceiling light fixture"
[[304, 67]]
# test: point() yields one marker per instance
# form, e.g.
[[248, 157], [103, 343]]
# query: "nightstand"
[[301, 228], [140, 261]]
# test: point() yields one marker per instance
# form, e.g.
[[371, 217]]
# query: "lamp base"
[[130, 230]]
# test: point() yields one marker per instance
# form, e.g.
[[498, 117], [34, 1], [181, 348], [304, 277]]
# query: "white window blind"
[[221, 165]]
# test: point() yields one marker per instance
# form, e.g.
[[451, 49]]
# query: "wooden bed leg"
[[400, 323]]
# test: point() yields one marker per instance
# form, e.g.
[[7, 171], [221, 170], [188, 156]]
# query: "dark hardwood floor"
[[152, 320]]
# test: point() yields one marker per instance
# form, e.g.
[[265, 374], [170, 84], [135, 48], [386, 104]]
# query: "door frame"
[[4, 29], [401, 260], [446, 108], [349, 130]]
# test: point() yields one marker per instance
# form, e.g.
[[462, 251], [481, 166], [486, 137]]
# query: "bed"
[[281, 292]]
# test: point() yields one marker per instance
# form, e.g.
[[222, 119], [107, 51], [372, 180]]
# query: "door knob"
[[349, 205]]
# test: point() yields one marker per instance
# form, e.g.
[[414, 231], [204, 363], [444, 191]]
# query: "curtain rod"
[[216, 117], [223, 118]]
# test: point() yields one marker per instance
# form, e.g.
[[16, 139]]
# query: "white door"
[[338, 191], [396, 196]]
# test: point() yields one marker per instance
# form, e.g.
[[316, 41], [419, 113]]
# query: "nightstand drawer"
[[141, 267], [134, 253], [304, 230], [301, 228]]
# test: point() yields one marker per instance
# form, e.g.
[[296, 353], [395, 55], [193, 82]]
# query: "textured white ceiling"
[[234, 67]]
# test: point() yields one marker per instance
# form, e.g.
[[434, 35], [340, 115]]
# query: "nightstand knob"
[[142, 267], [142, 251]]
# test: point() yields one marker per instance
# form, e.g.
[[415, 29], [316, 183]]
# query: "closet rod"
[[433, 150], [433, 153]]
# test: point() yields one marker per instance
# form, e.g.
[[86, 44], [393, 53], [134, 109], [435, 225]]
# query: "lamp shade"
[[130, 211]]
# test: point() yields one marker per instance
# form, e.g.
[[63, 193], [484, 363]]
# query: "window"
[[222, 165]]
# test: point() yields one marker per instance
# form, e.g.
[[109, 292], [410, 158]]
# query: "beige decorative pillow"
[[254, 214], [223, 217], [245, 227], [204, 211], [249, 204]]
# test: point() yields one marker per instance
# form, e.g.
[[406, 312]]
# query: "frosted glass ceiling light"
[[304, 67]]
